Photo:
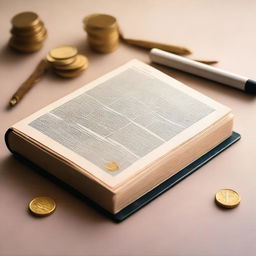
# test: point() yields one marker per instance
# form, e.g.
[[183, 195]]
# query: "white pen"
[[203, 70]]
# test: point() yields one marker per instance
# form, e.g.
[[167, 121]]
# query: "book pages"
[[122, 119], [130, 117]]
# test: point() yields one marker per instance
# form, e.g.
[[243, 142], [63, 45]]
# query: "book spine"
[[61, 169]]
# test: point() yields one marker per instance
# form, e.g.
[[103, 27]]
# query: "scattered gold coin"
[[112, 166], [227, 198], [28, 32], [42, 206], [63, 52]]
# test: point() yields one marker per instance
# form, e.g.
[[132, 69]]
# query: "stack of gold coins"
[[28, 32], [67, 62], [102, 31]]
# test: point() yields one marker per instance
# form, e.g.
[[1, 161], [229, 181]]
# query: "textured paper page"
[[131, 117], [122, 119]]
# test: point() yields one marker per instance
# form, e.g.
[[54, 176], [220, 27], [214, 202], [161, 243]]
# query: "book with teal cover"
[[124, 138]]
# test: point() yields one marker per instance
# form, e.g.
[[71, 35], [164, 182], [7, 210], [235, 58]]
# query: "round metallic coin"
[[28, 31], [100, 21], [59, 62], [109, 40], [36, 38], [105, 48], [24, 47], [42, 206], [86, 18], [63, 52], [227, 198], [25, 19], [70, 73], [80, 61]]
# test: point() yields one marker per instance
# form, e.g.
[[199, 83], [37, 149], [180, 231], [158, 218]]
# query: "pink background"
[[183, 221]]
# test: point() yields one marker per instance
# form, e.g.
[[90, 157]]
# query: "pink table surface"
[[183, 221]]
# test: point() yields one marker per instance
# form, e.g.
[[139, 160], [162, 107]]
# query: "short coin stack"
[[67, 62], [28, 32], [102, 31]]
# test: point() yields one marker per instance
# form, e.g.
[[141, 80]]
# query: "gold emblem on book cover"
[[112, 166]]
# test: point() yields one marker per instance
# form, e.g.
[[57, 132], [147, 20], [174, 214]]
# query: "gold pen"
[[180, 50], [30, 82]]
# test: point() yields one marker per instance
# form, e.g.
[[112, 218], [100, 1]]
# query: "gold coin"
[[227, 198], [111, 166], [37, 34], [103, 34], [28, 30], [36, 38], [105, 48], [24, 47], [70, 73], [100, 21], [80, 61], [28, 36], [86, 18], [60, 62], [101, 31], [112, 39], [63, 52], [42, 206], [25, 19]]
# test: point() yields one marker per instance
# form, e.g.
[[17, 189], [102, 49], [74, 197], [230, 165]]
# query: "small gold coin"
[[25, 48], [86, 18], [42, 206], [110, 39], [28, 31], [60, 62], [70, 73], [79, 62], [227, 198], [112, 166], [36, 38], [25, 19], [63, 52], [100, 21]]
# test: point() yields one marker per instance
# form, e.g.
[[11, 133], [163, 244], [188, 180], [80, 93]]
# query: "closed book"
[[122, 135]]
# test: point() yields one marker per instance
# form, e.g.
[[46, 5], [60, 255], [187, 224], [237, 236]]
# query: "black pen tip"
[[250, 86]]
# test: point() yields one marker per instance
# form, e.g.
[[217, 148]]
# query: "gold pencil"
[[30, 82], [180, 50]]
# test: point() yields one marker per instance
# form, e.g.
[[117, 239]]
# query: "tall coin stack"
[[102, 31], [28, 32]]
